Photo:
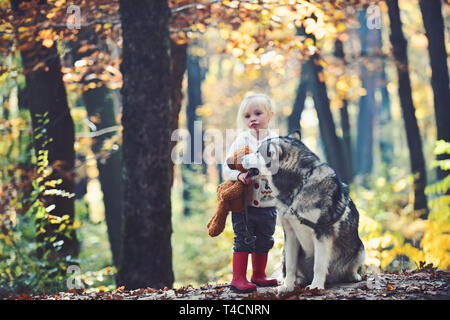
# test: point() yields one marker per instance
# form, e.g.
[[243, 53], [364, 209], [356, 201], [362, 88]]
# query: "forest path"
[[427, 283]]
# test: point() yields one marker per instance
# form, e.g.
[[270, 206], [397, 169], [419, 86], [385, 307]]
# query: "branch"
[[97, 133], [194, 5], [201, 4]]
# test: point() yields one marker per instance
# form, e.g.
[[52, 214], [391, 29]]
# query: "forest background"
[[86, 126]]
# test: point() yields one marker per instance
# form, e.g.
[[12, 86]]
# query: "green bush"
[[28, 265], [393, 234]]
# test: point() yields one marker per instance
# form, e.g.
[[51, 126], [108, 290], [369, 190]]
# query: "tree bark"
[[384, 119], [98, 101], [434, 27], [345, 120], [147, 121], [370, 42], [299, 103], [45, 92], [399, 46], [194, 95], [178, 67]]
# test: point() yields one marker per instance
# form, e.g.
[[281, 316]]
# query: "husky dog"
[[319, 219]]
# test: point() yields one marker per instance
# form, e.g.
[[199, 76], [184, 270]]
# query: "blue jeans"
[[261, 223]]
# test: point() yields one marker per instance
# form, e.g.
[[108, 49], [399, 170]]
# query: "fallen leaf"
[[389, 287], [412, 289], [47, 43]]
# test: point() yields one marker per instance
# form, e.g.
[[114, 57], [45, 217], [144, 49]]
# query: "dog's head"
[[266, 161]]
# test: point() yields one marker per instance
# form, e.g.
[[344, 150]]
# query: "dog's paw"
[[357, 277], [315, 286], [283, 289]]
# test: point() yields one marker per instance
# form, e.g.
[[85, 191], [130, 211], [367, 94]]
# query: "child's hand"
[[243, 178]]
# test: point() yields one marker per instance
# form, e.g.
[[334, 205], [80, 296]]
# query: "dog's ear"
[[295, 135], [274, 147], [279, 150]]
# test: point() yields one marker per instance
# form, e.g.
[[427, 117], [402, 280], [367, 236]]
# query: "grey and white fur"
[[305, 187]]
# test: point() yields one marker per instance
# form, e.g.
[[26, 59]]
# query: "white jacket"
[[262, 193]]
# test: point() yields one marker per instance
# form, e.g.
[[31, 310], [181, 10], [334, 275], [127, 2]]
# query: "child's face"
[[256, 117]]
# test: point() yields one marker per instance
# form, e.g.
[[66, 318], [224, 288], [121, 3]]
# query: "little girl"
[[254, 115]]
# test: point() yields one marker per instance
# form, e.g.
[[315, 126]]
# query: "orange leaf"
[[321, 77], [389, 287], [47, 43]]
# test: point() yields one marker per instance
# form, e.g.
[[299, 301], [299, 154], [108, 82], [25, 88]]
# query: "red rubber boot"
[[239, 282], [259, 262]]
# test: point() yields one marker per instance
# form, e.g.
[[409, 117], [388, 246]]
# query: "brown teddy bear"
[[230, 195]]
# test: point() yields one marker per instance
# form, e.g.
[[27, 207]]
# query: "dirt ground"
[[427, 283]]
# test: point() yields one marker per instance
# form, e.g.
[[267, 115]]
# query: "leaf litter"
[[425, 283]]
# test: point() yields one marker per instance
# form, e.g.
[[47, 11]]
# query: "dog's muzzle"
[[253, 163], [252, 172]]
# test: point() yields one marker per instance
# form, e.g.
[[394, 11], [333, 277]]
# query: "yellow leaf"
[[36, 67], [309, 42], [53, 219], [76, 224], [340, 27], [59, 3], [51, 15], [47, 43]]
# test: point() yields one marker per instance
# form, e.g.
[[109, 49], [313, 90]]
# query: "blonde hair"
[[259, 99]]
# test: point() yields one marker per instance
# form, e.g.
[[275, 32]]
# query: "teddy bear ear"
[[240, 168], [230, 163]]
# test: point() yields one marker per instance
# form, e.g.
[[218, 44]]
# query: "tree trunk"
[[399, 46], [178, 66], [346, 140], [345, 121], [194, 92], [367, 103], [299, 103], [98, 101], [332, 144], [317, 87], [434, 27], [147, 121], [384, 119], [45, 92]]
